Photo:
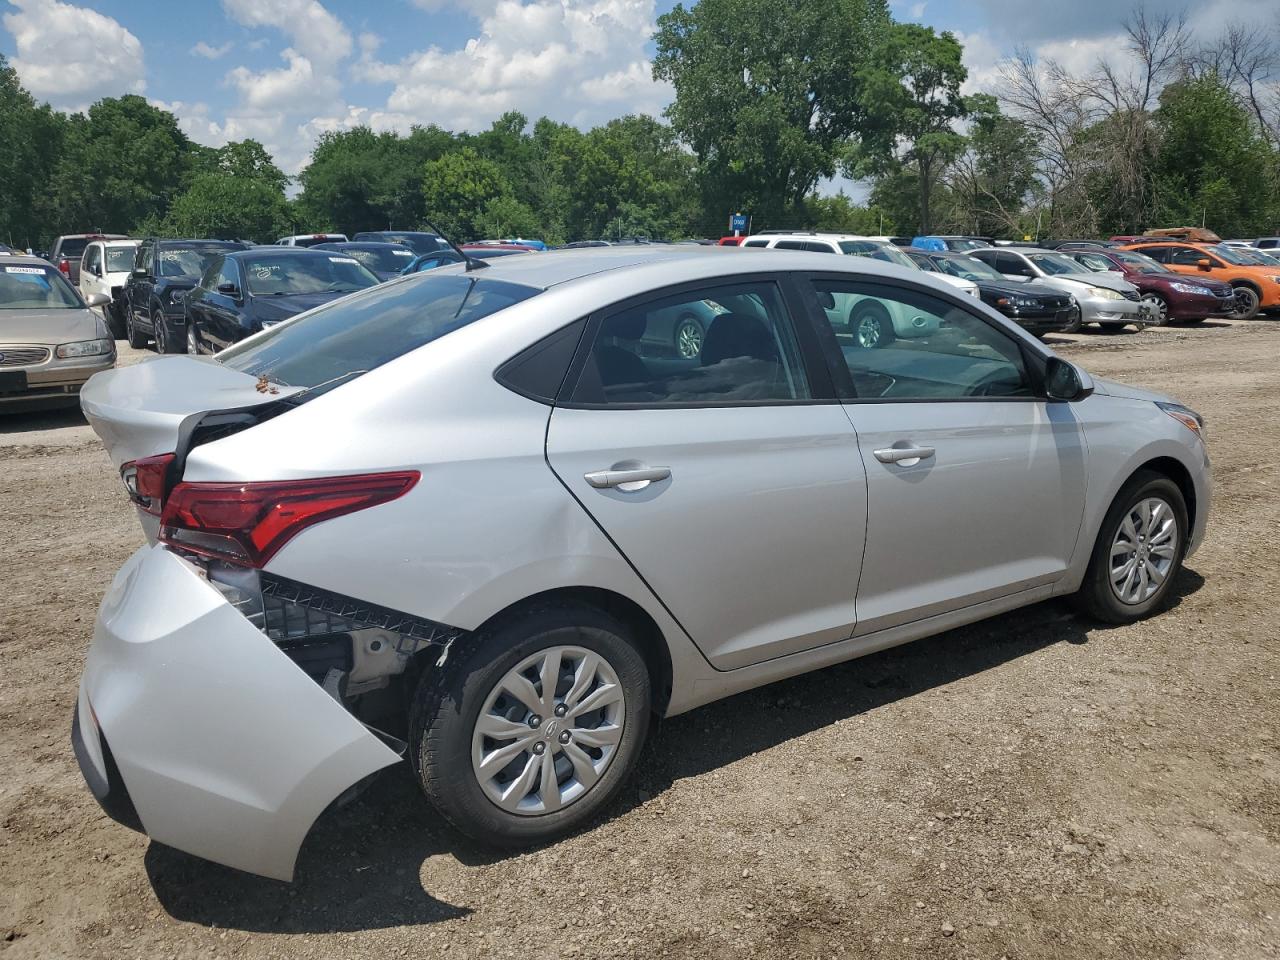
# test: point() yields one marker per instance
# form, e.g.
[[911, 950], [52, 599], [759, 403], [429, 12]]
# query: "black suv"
[[163, 272], [419, 241]]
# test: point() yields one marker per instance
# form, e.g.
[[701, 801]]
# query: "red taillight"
[[246, 523], [146, 480], [65, 267]]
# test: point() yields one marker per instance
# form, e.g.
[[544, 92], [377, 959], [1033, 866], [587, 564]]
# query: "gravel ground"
[[1033, 786]]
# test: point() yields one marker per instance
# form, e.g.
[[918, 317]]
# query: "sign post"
[[738, 223]]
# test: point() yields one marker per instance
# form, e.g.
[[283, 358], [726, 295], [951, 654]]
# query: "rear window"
[[358, 333], [73, 249]]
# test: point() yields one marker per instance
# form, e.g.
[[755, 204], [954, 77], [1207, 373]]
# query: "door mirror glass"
[[97, 299], [1065, 381], [1204, 263], [230, 289]]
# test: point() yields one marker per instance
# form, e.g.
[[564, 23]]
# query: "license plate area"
[[13, 381]]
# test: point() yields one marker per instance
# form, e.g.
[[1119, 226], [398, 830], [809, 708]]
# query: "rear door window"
[[365, 330]]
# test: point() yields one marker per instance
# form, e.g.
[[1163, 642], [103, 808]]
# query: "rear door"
[[730, 479], [975, 484]]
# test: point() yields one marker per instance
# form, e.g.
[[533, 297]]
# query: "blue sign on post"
[[738, 223]]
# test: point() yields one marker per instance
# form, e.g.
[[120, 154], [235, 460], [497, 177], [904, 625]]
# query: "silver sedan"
[[479, 520]]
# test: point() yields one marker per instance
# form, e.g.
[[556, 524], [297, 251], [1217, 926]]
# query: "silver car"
[[51, 342], [1105, 300], [466, 520]]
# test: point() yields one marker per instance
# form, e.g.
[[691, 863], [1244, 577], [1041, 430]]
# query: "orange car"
[[1257, 288]]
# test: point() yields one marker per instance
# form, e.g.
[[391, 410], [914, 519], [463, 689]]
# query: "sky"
[[284, 71]]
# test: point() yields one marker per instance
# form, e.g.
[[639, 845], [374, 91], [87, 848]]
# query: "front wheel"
[[1161, 306], [527, 734], [1247, 303], [688, 338], [165, 342], [1138, 552], [137, 339], [870, 325]]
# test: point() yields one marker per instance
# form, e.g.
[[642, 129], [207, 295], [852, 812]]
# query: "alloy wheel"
[[162, 336], [1162, 307], [1143, 551], [868, 331], [689, 339], [548, 730], [1246, 304]]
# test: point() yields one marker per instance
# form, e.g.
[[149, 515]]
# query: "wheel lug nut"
[[535, 721], [539, 748], [561, 709], [564, 736]]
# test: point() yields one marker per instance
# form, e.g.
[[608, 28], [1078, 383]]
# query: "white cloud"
[[312, 30], [580, 61], [72, 55], [203, 49]]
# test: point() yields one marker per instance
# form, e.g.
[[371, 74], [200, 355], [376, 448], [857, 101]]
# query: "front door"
[[729, 483], [975, 484]]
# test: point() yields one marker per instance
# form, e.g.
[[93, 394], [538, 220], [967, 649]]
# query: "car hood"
[[277, 308], [1029, 288], [1164, 280], [1105, 280], [49, 326], [1124, 391]]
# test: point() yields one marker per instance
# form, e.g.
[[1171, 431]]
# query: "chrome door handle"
[[905, 456], [627, 479]]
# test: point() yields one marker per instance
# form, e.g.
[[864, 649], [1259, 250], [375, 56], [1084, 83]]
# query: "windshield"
[[1055, 263], [1255, 257], [970, 268], [877, 251], [418, 242], [1139, 261], [278, 275], [1234, 256], [35, 288], [1094, 261], [388, 259], [963, 243], [119, 259], [357, 334], [187, 261]]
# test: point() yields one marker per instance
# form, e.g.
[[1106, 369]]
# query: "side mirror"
[[1066, 381], [97, 270], [97, 299], [230, 289], [1205, 264]]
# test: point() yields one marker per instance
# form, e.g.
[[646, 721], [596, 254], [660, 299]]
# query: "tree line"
[[772, 99]]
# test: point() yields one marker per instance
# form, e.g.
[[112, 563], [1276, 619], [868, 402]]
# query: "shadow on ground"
[[360, 867], [17, 420]]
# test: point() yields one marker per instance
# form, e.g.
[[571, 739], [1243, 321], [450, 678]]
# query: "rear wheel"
[[870, 325], [1138, 552], [688, 337], [1247, 303], [165, 342], [531, 731]]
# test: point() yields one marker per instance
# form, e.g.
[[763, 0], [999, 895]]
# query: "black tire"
[[115, 320], [1073, 326], [137, 339], [869, 314], [1162, 308], [164, 338], [683, 344], [448, 701], [1096, 596], [1248, 302]]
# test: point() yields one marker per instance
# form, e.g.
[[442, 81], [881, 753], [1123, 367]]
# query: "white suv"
[[873, 322], [104, 269], [311, 239]]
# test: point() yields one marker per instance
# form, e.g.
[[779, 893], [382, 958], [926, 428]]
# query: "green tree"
[[915, 89], [30, 142], [121, 164], [456, 188], [505, 216], [991, 181], [768, 95], [839, 214], [1212, 165], [228, 207], [248, 159]]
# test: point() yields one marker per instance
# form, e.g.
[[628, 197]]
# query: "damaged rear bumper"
[[219, 743]]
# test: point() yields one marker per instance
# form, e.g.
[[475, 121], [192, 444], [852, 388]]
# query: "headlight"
[[1022, 303], [1106, 294], [1185, 416], [84, 348], [1192, 288]]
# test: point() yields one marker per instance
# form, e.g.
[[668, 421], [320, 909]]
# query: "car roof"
[[25, 260], [234, 244], [272, 250], [91, 236], [357, 245], [813, 235], [1011, 250], [653, 267]]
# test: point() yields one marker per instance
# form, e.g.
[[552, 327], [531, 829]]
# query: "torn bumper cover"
[[216, 738]]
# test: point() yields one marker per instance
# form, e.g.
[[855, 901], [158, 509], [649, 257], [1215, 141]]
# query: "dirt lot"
[[1035, 786]]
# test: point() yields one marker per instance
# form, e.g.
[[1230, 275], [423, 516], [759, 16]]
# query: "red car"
[[730, 241], [1176, 297]]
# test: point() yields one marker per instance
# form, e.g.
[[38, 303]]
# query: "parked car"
[[441, 258], [67, 250], [419, 241], [386, 261], [583, 244], [444, 521], [311, 239], [1257, 287], [960, 244], [243, 292], [51, 341], [1254, 255], [1035, 307], [163, 273], [1172, 296], [105, 266], [874, 321], [730, 241], [1105, 300], [1267, 243], [1070, 244]]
